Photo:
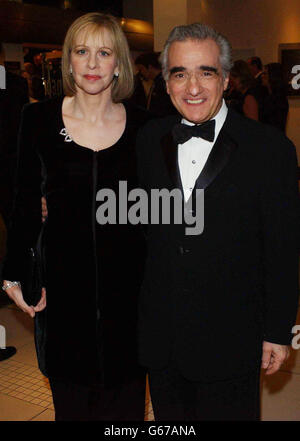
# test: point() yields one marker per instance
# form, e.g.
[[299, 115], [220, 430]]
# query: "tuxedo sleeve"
[[281, 223], [25, 223]]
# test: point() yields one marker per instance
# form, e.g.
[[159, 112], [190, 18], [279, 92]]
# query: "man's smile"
[[198, 101]]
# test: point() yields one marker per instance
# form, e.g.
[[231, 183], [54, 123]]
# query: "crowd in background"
[[259, 92], [256, 91]]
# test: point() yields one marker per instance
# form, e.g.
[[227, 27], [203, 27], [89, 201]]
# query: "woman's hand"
[[44, 209], [15, 294], [42, 303]]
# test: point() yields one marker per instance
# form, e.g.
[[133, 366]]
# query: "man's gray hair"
[[198, 32]]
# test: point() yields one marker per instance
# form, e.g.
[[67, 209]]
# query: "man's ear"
[[226, 81], [167, 87]]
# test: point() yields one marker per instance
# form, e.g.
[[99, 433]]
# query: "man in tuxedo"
[[217, 306], [12, 99], [256, 67], [157, 101]]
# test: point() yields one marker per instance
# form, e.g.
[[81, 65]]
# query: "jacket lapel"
[[218, 158]]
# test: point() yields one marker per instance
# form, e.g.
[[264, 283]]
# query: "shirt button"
[[193, 161]]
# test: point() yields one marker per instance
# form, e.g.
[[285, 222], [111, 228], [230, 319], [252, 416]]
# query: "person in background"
[[276, 105], [142, 84], [7, 352], [38, 62], [12, 100], [231, 95], [157, 101], [256, 68], [35, 83], [249, 102], [70, 148]]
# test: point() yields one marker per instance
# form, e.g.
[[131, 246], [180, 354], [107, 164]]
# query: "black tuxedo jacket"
[[209, 301]]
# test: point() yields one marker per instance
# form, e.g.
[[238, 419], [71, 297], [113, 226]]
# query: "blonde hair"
[[122, 86]]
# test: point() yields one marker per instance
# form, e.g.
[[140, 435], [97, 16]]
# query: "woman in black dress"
[[276, 105], [246, 94], [70, 148]]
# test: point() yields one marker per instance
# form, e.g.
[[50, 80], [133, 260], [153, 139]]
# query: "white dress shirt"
[[193, 154]]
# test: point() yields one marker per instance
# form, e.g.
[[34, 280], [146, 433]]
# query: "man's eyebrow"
[[176, 69], [209, 69]]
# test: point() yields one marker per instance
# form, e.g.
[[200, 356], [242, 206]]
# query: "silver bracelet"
[[8, 284]]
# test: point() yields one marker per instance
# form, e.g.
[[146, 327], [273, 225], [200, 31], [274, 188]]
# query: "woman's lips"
[[92, 77]]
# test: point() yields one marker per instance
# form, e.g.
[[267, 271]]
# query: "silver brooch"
[[64, 133]]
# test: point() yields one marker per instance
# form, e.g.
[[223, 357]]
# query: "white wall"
[[13, 52], [263, 25], [166, 15]]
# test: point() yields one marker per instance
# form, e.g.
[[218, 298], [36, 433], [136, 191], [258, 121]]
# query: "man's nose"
[[194, 86]]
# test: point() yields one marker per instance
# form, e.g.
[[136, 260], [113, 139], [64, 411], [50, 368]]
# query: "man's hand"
[[273, 356]]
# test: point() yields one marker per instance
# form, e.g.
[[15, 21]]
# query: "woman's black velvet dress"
[[92, 272], [275, 110]]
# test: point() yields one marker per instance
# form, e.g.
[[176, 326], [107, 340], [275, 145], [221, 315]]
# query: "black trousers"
[[123, 402], [174, 398]]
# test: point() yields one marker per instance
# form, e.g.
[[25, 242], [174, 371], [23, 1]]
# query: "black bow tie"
[[182, 132]]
